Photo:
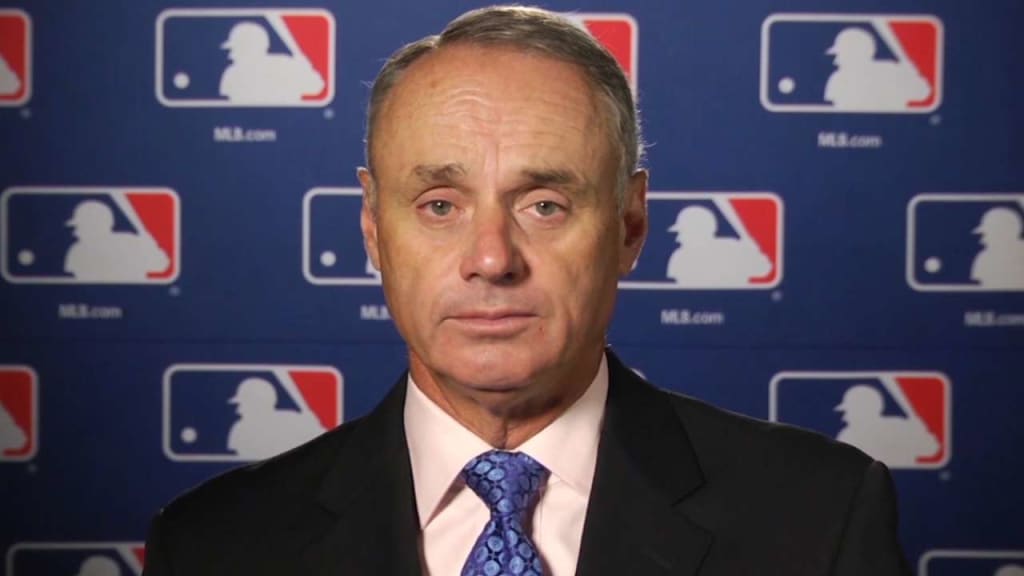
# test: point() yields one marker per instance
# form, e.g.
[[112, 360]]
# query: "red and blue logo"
[[15, 57], [19, 413], [617, 32], [242, 57], [972, 563], [79, 235], [966, 243], [867, 63], [899, 418], [245, 412], [333, 254], [710, 241], [78, 558]]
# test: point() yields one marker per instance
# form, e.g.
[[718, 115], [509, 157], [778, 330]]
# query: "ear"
[[368, 215], [634, 221]]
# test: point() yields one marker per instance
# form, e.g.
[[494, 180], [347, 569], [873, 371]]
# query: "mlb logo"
[[972, 563], [965, 242], [617, 33], [710, 241], [245, 412], [333, 252], [78, 235], [15, 57], [899, 418], [19, 413], [76, 558], [245, 57], [869, 63]]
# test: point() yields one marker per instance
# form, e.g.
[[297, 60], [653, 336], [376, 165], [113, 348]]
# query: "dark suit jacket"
[[681, 488]]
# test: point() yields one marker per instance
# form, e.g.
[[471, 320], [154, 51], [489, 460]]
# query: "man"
[[503, 200]]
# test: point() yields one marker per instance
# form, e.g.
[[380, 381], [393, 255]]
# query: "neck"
[[502, 419]]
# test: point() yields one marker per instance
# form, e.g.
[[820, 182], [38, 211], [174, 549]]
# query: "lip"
[[492, 322]]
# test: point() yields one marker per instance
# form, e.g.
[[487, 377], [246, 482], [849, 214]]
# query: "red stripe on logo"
[[920, 42]]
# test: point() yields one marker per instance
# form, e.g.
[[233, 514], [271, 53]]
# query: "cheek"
[[585, 283]]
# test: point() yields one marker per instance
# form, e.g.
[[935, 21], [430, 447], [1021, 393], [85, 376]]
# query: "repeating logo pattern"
[[711, 241], [244, 412], [245, 57], [878, 63], [972, 563], [15, 57], [899, 418], [333, 253], [19, 413], [965, 242], [72, 235], [76, 558], [615, 31]]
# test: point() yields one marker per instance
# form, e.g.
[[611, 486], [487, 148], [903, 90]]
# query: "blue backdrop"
[[857, 217]]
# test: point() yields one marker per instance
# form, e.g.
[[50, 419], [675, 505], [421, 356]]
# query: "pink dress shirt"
[[452, 516]]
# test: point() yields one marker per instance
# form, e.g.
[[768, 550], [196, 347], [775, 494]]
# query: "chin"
[[500, 369]]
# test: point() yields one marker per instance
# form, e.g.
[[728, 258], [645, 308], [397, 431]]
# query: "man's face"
[[496, 227]]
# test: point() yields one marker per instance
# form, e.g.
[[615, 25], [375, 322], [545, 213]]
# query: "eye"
[[546, 208], [440, 207]]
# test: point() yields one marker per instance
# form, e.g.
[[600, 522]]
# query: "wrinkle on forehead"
[[508, 97]]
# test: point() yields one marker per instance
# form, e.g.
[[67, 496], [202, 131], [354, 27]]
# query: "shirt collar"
[[439, 446]]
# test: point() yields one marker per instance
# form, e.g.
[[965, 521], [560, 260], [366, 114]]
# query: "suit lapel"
[[645, 468], [366, 521]]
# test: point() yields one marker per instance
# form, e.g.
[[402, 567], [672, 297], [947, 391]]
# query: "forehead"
[[506, 93]]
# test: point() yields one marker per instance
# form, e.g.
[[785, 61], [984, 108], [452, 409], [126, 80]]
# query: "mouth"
[[492, 323]]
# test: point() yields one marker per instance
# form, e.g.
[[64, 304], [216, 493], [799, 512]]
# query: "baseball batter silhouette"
[[704, 259], [12, 437], [1000, 263], [255, 76], [860, 82], [101, 255], [262, 430], [9, 81], [895, 440]]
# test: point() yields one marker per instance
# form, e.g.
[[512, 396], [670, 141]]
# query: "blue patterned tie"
[[508, 483]]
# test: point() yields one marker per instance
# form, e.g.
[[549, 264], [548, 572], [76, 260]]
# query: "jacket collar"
[[366, 522], [646, 467]]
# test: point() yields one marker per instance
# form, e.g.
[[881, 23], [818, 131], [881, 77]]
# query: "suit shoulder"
[[274, 484], [723, 439]]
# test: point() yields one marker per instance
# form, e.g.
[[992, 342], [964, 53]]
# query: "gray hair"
[[538, 31]]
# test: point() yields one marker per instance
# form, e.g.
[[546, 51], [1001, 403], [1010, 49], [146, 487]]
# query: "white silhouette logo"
[[101, 255], [1009, 570], [12, 437], [262, 430], [706, 260], [257, 77], [99, 565], [895, 440], [862, 83], [9, 81], [1000, 263]]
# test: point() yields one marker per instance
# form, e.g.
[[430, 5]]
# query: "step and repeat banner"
[[836, 242]]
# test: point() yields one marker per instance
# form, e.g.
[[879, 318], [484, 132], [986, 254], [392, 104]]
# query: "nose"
[[492, 250]]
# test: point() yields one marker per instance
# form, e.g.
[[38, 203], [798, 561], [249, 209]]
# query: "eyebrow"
[[554, 178], [453, 172], [438, 173]]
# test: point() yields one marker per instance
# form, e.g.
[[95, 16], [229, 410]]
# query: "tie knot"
[[506, 481]]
